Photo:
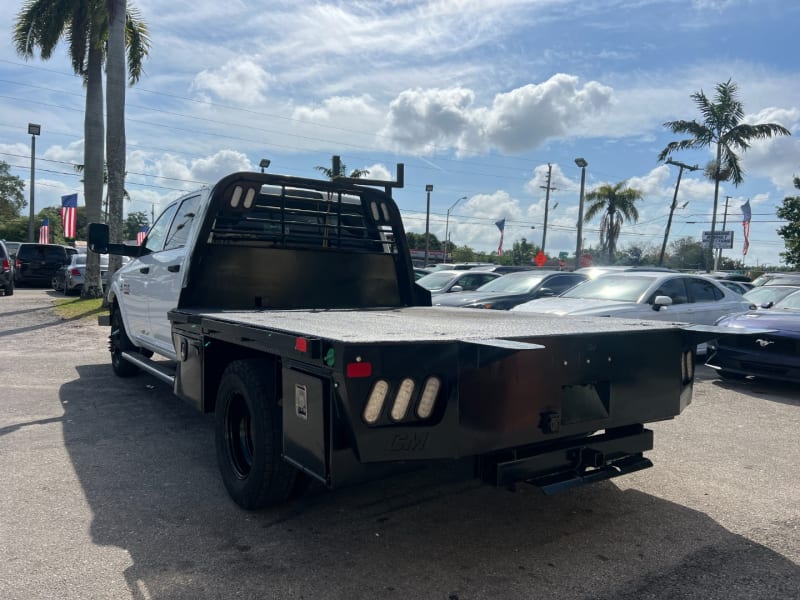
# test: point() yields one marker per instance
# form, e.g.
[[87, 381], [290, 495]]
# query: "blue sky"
[[474, 97]]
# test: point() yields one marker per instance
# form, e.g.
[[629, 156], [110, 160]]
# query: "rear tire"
[[9, 289], [249, 435], [119, 342]]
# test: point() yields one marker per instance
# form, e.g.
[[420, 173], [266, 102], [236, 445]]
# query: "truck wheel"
[[119, 342], [249, 437]]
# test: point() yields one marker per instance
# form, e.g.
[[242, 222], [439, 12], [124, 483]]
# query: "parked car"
[[512, 289], [778, 278], [765, 296], [593, 272], [772, 355], [70, 279], [737, 286], [503, 269], [37, 263], [442, 282], [6, 271], [655, 295], [420, 272], [456, 266]]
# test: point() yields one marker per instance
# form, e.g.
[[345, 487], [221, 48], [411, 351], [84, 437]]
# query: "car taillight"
[[19, 263], [75, 272], [6, 265]]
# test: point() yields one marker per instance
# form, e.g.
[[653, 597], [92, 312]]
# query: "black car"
[[515, 288], [6, 271], [37, 263]]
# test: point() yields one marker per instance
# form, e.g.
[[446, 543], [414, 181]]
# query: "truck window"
[[158, 232], [182, 223]]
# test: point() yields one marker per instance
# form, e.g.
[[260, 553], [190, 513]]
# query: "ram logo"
[[764, 343]]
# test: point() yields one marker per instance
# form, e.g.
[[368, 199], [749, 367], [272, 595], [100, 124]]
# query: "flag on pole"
[[141, 235], [747, 214], [501, 225], [69, 215], [44, 232]]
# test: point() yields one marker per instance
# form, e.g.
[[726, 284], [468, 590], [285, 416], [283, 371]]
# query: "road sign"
[[540, 259], [563, 255], [722, 239]]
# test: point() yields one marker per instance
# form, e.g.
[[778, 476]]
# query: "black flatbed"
[[420, 324]]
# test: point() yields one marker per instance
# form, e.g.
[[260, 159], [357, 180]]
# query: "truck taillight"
[[372, 411], [428, 397], [402, 399], [6, 264]]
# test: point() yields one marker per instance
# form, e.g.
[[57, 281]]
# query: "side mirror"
[[457, 288], [98, 238], [769, 304], [661, 301], [545, 293]]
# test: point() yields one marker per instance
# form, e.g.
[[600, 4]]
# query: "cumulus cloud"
[[241, 80], [435, 119]]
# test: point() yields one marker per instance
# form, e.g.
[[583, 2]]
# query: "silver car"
[[652, 295]]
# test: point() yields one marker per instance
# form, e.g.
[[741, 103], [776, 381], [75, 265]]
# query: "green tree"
[[134, 223], [685, 253], [522, 252], [12, 197], [616, 203], [355, 173], [723, 129], [790, 211], [84, 24]]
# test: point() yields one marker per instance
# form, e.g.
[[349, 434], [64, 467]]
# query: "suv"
[[6, 271], [37, 263]]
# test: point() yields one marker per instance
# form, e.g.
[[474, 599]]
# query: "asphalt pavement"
[[110, 490]]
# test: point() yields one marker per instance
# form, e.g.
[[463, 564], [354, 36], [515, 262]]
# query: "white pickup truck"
[[287, 307]]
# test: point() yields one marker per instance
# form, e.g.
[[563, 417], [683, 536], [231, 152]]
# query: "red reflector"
[[301, 344], [359, 369]]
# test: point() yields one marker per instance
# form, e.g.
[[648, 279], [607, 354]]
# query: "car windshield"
[[790, 302], [768, 293], [612, 287], [513, 283], [435, 281]]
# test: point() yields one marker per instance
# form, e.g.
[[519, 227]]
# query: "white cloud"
[[240, 81], [425, 121]]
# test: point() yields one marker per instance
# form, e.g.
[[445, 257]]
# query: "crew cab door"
[[166, 273], [135, 279]]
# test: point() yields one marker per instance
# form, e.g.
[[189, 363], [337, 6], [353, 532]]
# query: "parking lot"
[[110, 490]]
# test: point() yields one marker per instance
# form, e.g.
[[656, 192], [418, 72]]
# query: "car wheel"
[[9, 289], [119, 342], [249, 437]]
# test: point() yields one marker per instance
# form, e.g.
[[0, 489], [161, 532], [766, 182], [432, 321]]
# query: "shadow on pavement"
[[147, 466]]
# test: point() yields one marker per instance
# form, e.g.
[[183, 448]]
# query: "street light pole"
[[447, 227], [428, 190], [34, 130], [582, 164]]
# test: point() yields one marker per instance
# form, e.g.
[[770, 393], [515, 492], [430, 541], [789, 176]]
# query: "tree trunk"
[[710, 252], [115, 113], [93, 133]]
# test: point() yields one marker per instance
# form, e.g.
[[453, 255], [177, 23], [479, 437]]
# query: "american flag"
[[69, 215], [44, 232], [141, 235], [501, 225], [747, 214]]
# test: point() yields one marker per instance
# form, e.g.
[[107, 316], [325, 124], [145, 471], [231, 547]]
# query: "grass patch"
[[77, 308]]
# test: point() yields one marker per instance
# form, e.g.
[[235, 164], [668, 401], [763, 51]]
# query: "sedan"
[[70, 279], [513, 289], [765, 296], [773, 352], [442, 282], [661, 296]]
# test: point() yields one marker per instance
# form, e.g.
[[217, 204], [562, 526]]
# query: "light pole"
[[428, 190], [447, 227], [264, 163], [34, 130], [582, 164]]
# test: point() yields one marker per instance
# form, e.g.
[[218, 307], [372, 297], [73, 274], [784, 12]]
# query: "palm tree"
[[615, 202], [84, 24], [721, 127], [355, 173], [125, 30]]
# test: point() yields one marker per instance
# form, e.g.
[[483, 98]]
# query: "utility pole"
[[581, 162], [546, 204], [428, 190], [724, 221], [674, 203]]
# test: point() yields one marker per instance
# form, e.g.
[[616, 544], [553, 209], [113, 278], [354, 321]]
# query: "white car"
[[652, 295]]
